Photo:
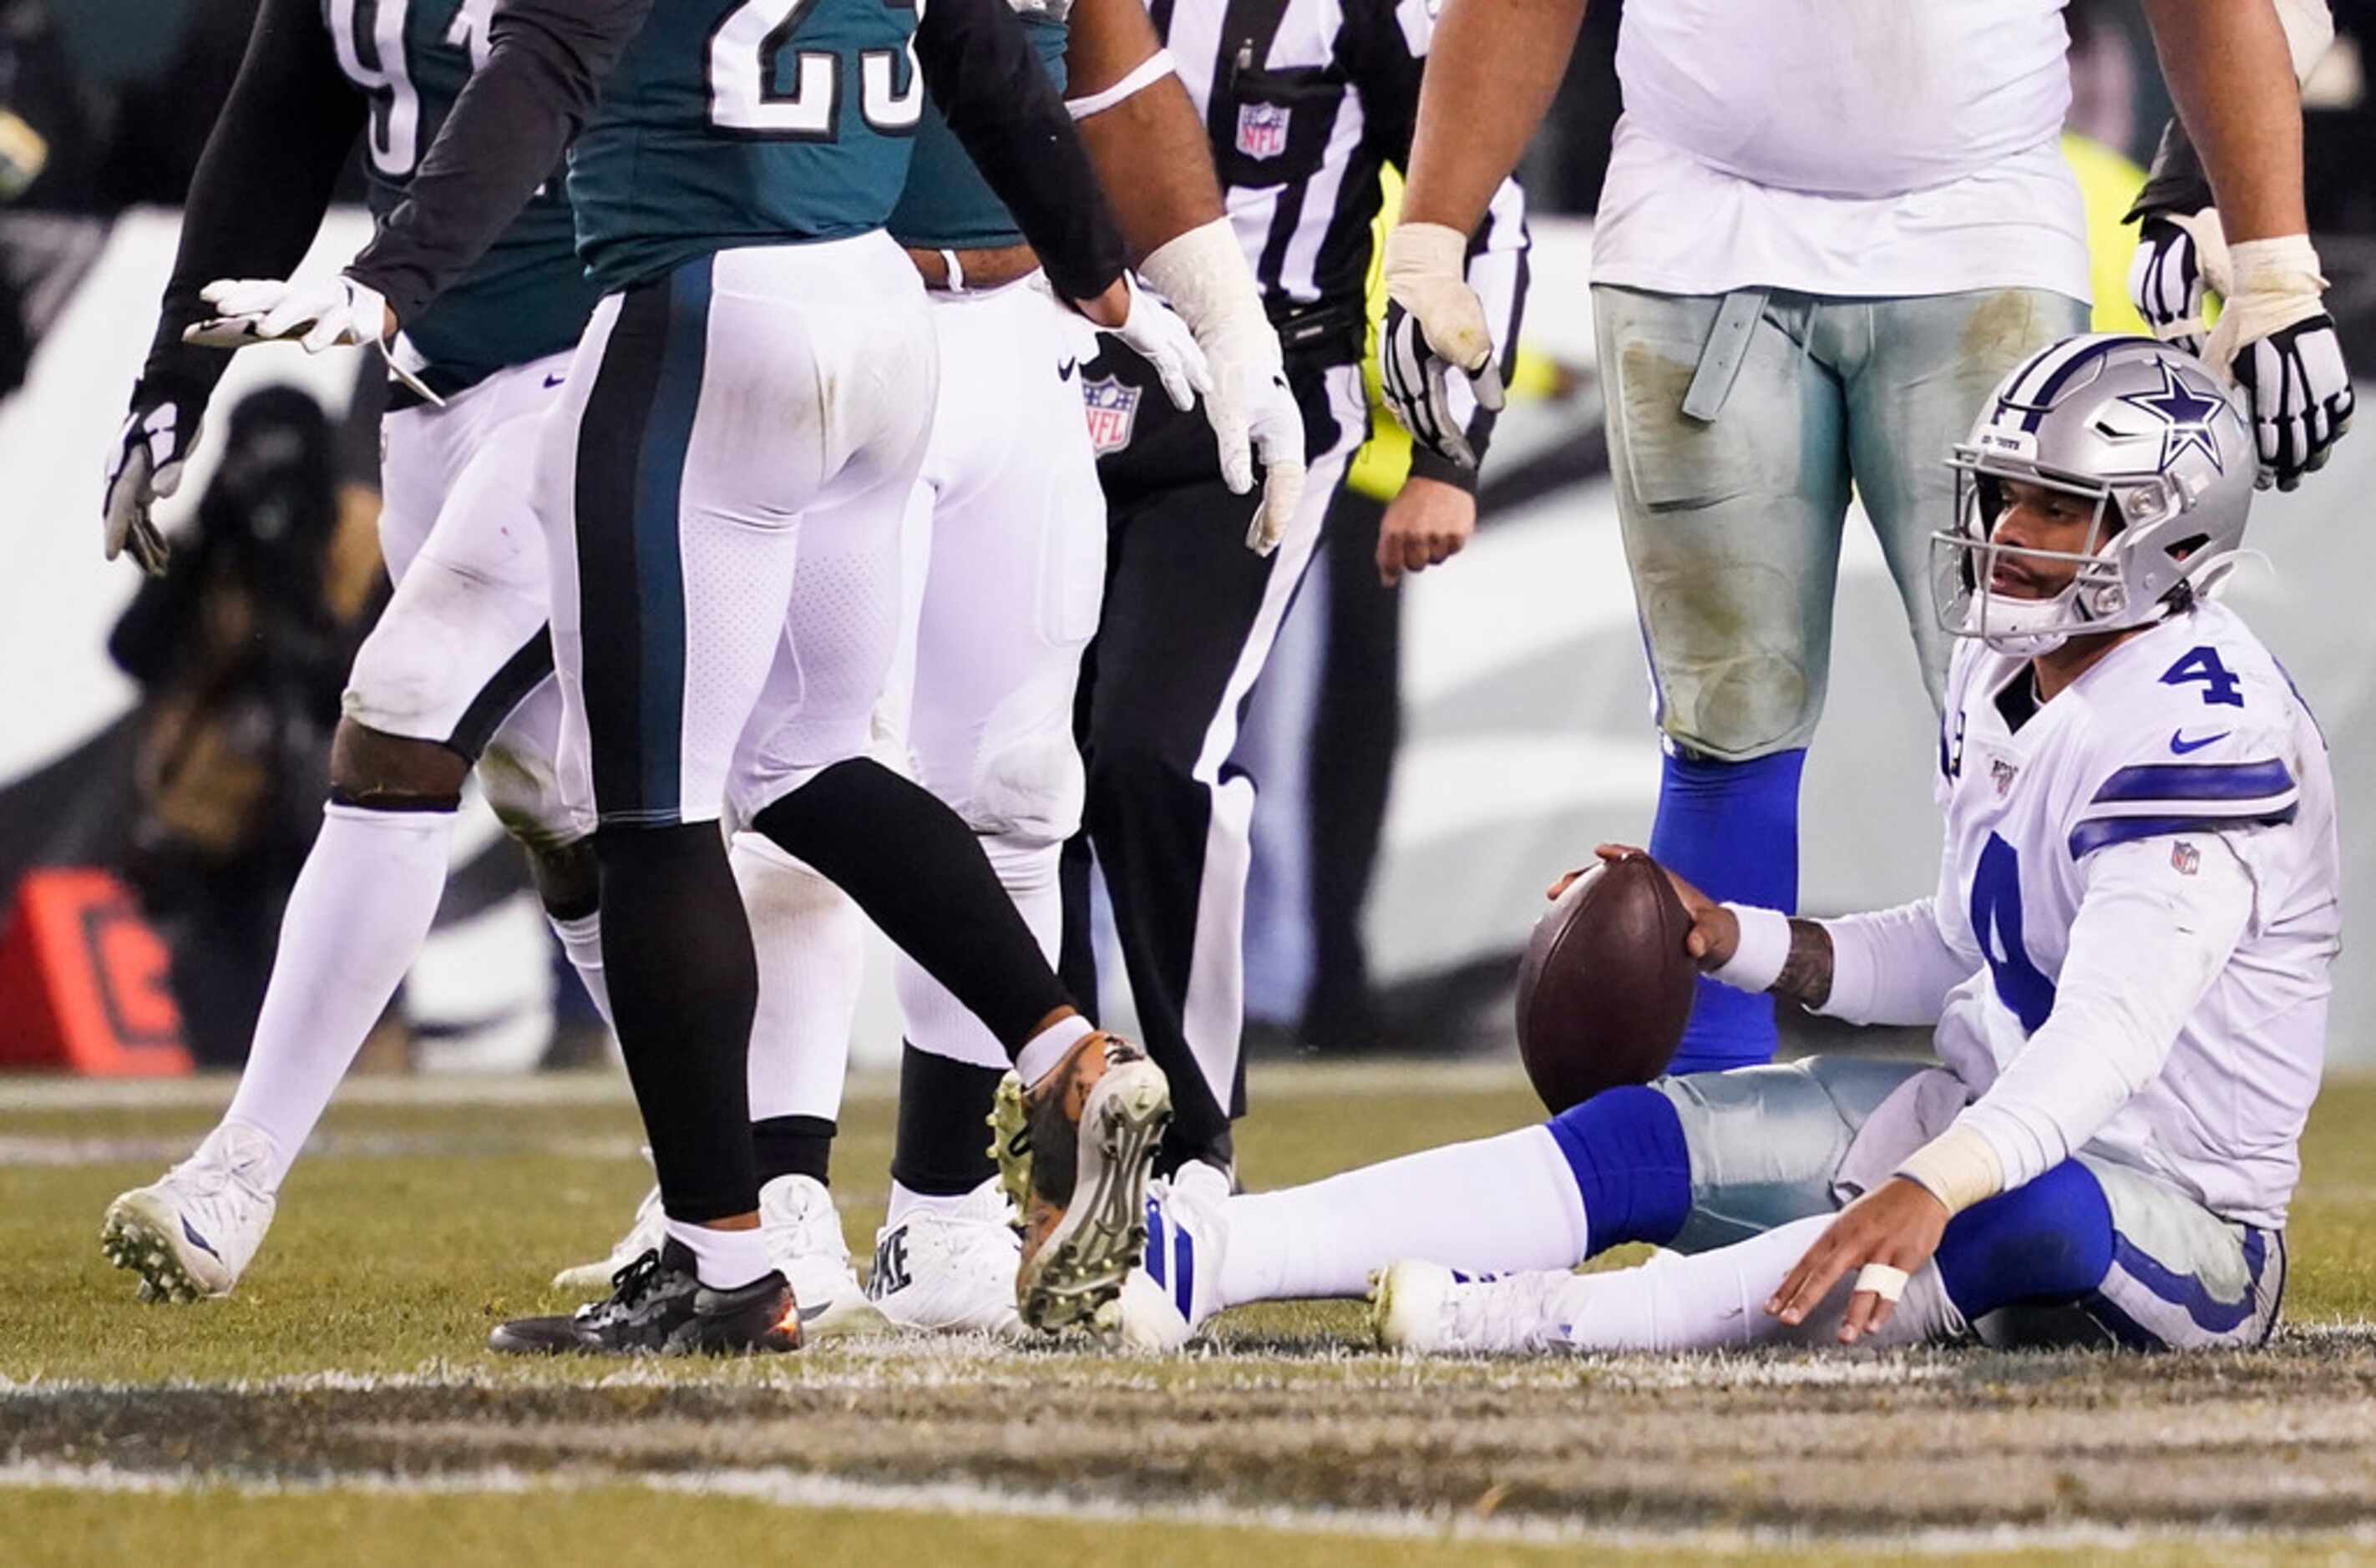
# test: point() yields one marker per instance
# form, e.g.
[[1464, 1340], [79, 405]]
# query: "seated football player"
[[2127, 962]]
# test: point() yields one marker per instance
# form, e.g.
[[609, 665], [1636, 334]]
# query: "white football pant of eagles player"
[[2127, 962]]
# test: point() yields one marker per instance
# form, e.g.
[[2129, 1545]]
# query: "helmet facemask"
[[1963, 563]]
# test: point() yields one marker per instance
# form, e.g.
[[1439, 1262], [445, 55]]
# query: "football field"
[[340, 1406]]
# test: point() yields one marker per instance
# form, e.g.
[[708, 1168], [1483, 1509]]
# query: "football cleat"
[[1166, 1300], [951, 1270], [658, 1306], [1432, 1309], [645, 1234], [192, 1232], [803, 1231], [1074, 1150]]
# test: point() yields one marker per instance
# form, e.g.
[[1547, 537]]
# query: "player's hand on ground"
[[1434, 324], [1150, 329], [317, 315], [1888, 1233], [2277, 340], [2181, 259], [1425, 526], [145, 465]]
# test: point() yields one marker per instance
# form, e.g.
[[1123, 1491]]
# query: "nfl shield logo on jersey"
[[2001, 774], [1112, 408], [1261, 130]]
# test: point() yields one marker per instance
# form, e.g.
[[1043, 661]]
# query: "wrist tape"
[[1959, 1168], [1764, 946]]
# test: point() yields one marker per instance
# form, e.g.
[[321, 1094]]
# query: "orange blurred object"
[[83, 981]]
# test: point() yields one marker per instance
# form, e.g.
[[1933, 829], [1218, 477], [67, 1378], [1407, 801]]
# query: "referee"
[[1304, 102]]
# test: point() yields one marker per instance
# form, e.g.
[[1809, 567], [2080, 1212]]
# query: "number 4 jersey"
[[2187, 742]]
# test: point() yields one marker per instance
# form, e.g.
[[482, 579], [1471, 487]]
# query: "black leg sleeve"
[[676, 949], [943, 1149], [919, 875]]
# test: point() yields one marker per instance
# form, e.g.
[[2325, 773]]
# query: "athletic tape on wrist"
[[1764, 946], [2278, 264], [1882, 1279], [1959, 1168], [1146, 74]]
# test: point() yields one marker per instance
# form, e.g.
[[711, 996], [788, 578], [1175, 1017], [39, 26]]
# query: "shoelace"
[[632, 1283]]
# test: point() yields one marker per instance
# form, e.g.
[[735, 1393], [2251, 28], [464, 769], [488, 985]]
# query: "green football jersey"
[[946, 204], [747, 123], [528, 295]]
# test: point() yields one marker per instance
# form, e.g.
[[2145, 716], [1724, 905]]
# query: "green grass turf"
[[417, 1226]]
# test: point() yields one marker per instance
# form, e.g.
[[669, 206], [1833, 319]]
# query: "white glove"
[[1152, 331], [1435, 323], [2277, 340], [146, 465], [2181, 258], [1251, 407], [323, 314]]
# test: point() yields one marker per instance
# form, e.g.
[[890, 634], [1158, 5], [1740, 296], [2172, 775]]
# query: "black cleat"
[[658, 1306]]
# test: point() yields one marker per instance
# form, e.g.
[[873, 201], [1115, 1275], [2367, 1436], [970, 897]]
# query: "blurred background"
[[1435, 753]]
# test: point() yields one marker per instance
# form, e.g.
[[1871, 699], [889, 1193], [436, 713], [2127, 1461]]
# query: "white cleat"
[[193, 1233], [645, 1235], [803, 1231], [1431, 1309], [951, 1270], [1168, 1299]]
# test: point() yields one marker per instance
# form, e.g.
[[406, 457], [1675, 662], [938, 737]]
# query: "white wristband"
[[2279, 264], [1764, 946], [1144, 75]]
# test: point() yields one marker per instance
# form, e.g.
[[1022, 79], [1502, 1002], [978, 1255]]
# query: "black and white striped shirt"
[[1305, 102]]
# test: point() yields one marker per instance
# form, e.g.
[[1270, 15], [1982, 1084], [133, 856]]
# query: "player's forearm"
[[979, 65], [545, 66], [262, 185], [1889, 966], [1806, 976], [1491, 73], [1156, 165], [2231, 74]]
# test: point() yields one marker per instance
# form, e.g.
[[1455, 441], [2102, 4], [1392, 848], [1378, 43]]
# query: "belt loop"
[[956, 269], [1721, 355]]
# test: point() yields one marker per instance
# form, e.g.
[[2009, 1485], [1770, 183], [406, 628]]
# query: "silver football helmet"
[[2147, 432]]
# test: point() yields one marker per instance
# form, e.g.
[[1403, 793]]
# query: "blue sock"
[[1731, 829], [2047, 1242], [1625, 1148]]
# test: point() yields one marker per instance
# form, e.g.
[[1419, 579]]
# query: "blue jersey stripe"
[[2089, 837], [2190, 781]]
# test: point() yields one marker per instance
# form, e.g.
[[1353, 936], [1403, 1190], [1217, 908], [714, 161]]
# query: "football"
[[1606, 986]]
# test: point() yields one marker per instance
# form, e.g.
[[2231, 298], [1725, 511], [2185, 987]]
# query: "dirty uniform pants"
[[1732, 523]]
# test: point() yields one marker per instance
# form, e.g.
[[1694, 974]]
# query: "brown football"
[[1606, 986]]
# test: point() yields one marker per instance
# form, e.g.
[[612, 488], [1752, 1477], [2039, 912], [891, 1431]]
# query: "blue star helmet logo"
[[2185, 411]]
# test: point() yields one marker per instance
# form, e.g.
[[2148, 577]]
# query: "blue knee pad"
[[1731, 829], [1625, 1148], [2049, 1241]]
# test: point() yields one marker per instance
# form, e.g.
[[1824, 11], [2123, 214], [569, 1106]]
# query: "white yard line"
[[795, 1491]]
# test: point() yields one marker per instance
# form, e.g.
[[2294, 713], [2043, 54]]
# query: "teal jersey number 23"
[[747, 123]]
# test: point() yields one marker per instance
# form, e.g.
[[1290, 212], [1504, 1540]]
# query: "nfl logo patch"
[[1112, 409], [1261, 130], [2000, 774], [2185, 858]]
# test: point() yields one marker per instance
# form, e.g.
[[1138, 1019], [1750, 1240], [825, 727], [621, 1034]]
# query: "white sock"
[[723, 1260], [1717, 1300], [811, 943], [907, 1202], [581, 944], [356, 920], [1499, 1203], [1043, 1050]]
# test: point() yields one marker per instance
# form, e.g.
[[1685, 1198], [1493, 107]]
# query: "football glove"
[[1435, 323], [2181, 258], [2278, 341], [1250, 404], [145, 465], [1155, 334], [323, 314]]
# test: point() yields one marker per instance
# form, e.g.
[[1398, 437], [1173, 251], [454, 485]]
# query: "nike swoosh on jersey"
[[2181, 745], [555, 380], [1064, 372]]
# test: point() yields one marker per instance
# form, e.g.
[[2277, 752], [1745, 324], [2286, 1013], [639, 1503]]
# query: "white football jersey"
[[2189, 729]]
